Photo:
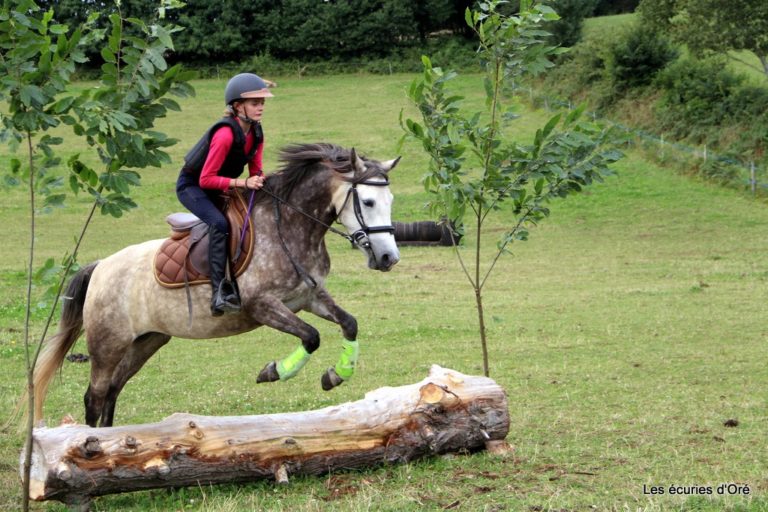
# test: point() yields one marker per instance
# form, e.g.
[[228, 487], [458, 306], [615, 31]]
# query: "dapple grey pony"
[[127, 316]]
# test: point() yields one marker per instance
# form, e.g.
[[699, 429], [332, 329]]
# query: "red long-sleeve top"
[[221, 143]]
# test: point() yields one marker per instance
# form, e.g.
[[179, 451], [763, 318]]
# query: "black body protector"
[[236, 159]]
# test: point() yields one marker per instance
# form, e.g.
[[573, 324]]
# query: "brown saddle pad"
[[183, 258]]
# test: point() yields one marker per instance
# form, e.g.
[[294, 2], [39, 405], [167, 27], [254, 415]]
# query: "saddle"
[[183, 258]]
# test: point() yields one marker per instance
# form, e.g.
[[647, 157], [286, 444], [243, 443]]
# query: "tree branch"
[[27, 319], [64, 277], [461, 260], [763, 61]]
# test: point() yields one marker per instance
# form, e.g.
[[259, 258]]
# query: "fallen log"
[[446, 412]]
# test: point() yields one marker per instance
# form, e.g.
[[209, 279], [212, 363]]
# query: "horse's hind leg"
[[137, 354], [106, 352]]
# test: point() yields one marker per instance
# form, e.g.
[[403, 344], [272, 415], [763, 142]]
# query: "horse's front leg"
[[323, 306], [271, 312]]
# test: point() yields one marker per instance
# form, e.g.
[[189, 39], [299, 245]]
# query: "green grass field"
[[626, 332]]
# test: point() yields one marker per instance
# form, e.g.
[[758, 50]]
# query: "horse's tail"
[[70, 327], [56, 347]]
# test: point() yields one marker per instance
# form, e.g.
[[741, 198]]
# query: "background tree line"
[[234, 31]]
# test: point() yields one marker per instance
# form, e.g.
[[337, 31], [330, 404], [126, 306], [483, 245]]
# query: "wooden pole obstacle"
[[446, 412], [425, 232]]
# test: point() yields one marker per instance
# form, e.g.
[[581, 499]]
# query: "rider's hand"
[[254, 182]]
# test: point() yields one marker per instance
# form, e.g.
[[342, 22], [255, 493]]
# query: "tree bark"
[[446, 412]]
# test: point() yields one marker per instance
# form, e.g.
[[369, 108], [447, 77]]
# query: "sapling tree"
[[476, 168], [116, 119]]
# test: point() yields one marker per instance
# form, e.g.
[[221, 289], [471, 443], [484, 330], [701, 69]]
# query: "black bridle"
[[358, 238]]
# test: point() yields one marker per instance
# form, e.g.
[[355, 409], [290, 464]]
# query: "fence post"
[[752, 178]]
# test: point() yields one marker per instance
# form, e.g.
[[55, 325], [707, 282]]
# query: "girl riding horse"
[[214, 165]]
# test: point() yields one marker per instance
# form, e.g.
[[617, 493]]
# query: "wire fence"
[[750, 175]]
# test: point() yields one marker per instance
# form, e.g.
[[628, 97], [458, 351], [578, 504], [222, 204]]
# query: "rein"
[[308, 279], [358, 238], [278, 199], [245, 226]]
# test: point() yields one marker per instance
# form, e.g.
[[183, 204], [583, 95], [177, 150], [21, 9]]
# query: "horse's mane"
[[300, 162]]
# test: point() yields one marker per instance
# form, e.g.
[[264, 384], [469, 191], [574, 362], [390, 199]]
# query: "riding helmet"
[[244, 86]]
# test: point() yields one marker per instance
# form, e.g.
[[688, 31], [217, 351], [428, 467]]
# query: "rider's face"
[[252, 108]]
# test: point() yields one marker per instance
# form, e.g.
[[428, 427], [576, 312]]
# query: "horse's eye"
[[368, 203]]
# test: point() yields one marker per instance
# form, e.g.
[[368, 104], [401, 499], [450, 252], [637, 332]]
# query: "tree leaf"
[[32, 96], [551, 124], [108, 55]]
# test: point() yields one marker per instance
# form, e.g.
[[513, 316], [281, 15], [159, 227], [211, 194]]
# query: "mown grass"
[[626, 332]]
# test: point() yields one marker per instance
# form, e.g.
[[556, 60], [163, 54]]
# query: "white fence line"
[[750, 173]]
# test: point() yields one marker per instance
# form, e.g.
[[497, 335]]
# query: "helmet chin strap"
[[246, 119], [240, 116]]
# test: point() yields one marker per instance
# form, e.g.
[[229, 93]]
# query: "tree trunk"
[[446, 412]]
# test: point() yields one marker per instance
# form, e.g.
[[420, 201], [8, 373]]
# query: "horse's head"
[[364, 204]]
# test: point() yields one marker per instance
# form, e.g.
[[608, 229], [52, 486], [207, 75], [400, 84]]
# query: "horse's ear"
[[358, 165], [389, 164]]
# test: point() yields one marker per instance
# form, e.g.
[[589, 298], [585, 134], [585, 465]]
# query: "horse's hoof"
[[330, 379], [268, 373]]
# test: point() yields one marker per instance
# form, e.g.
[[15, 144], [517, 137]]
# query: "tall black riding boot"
[[225, 298]]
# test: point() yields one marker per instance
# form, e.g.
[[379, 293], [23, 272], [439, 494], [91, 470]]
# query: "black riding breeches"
[[201, 203]]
